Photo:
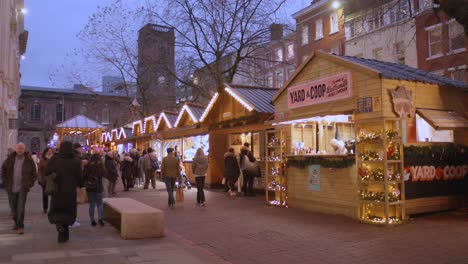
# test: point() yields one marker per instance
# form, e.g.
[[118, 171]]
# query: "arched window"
[[36, 111], [105, 116], [35, 145]]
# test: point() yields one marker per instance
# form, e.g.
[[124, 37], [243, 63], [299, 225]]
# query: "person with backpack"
[[93, 175], [250, 169], [150, 165]]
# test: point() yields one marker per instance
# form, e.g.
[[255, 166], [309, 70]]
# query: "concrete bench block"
[[134, 219]]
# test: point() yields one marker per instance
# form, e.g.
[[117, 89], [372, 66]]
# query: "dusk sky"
[[53, 25]]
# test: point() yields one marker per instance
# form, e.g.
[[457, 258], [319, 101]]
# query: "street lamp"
[[336, 4], [24, 11]]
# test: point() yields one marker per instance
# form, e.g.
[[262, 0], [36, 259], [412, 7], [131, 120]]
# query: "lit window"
[[334, 23], [426, 133], [291, 51], [270, 81], [305, 35], [279, 79], [435, 41], [377, 53], [279, 55], [318, 29], [456, 36]]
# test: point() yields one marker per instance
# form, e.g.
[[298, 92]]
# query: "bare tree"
[[216, 36]]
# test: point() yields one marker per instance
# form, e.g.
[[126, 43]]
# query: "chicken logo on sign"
[[402, 102]]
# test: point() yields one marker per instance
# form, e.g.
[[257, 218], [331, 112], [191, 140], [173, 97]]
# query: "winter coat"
[[231, 167], [170, 167], [136, 158], [111, 169], [199, 165], [95, 171], [126, 166], [28, 177], [41, 176], [68, 177], [148, 159]]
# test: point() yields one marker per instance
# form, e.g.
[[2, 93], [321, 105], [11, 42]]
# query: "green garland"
[[436, 155], [336, 163]]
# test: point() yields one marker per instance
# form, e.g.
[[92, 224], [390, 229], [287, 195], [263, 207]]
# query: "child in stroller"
[[183, 181]]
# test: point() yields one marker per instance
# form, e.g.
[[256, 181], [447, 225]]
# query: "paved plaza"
[[236, 230]]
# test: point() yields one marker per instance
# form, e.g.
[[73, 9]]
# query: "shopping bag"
[[179, 194], [83, 196], [223, 182]]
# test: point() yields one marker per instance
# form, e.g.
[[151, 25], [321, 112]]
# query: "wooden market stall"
[[77, 128], [349, 124], [234, 117]]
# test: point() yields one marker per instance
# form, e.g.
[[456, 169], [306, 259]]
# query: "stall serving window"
[[191, 144], [329, 135], [171, 143], [426, 133], [255, 139], [157, 146]]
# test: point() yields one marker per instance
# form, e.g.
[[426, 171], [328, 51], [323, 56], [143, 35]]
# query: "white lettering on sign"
[[430, 173], [324, 90]]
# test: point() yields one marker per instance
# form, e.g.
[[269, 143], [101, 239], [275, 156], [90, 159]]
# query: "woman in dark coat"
[[126, 166], [62, 211], [47, 154], [111, 172], [231, 168], [92, 178]]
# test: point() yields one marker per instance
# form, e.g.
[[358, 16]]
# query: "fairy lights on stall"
[[187, 109], [239, 99], [210, 105]]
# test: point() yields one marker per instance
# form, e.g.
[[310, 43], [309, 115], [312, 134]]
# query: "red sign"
[[320, 91]]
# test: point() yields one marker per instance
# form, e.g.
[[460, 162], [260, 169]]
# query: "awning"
[[443, 119]]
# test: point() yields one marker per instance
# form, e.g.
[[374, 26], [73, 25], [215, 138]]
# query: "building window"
[[59, 113], [279, 55], [290, 51], [318, 29], [268, 60], [440, 72], [305, 35], [375, 20], [456, 36], [290, 71], [36, 111], [458, 74], [105, 116], [377, 53], [334, 23], [435, 41], [35, 145], [269, 81], [399, 50], [279, 79]]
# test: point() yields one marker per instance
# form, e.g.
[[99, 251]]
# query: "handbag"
[[51, 187], [180, 194]]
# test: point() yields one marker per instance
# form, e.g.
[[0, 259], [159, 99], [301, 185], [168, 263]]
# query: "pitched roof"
[[257, 97], [391, 70], [80, 121], [374, 67], [196, 110]]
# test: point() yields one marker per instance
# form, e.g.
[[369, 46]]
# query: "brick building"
[[156, 66], [442, 44], [41, 109], [319, 26]]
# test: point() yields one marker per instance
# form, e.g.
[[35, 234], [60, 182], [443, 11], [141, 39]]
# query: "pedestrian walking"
[[93, 175], [135, 155], [151, 164], [231, 170], [77, 152], [47, 154], [127, 169], [170, 171], [18, 176], [68, 177], [199, 168], [250, 169], [141, 171], [111, 172]]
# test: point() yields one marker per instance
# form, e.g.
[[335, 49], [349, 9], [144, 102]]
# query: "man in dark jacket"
[[18, 176], [231, 170]]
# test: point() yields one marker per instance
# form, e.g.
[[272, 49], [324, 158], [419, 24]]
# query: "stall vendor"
[[338, 147]]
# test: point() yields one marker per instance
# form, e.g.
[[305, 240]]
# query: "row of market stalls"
[[371, 140]]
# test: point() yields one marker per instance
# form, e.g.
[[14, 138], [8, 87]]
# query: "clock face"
[[161, 79]]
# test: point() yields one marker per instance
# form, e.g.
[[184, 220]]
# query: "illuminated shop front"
[[348, 134]]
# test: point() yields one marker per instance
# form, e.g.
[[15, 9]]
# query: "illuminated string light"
[[210, 105], [187, 109]]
